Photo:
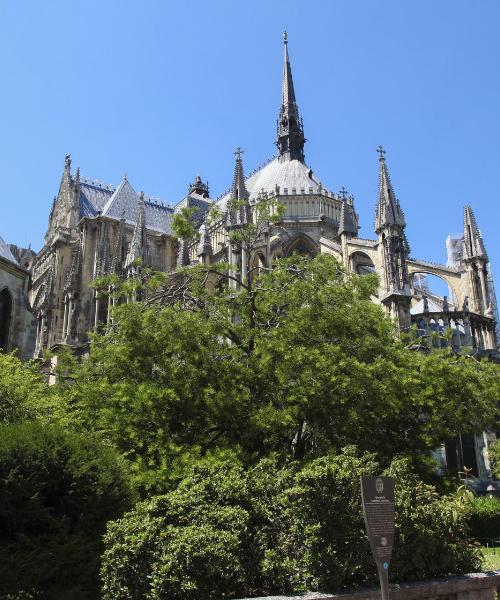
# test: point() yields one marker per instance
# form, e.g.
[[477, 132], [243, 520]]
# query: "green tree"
[[57, 491], [24, 395], [298, 360]]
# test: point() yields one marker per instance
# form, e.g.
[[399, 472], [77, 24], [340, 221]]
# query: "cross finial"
[[285, 37], [343, 192], [238, 153], [381, 152]]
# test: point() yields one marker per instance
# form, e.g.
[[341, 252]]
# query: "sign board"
[[377, 494]]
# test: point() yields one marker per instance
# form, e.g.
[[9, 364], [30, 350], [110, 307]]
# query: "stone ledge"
[[412, 591]]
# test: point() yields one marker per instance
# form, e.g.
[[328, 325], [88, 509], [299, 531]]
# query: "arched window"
[[258, 263], [301, 244], [5, 317]]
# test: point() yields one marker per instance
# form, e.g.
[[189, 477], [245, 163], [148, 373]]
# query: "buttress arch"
[[451, 277]]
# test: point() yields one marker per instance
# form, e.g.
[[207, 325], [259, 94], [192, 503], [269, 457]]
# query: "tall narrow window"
[[5, 316]]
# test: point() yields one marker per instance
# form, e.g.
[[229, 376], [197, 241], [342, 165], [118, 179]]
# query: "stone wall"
[[478, 586], [15, 280]]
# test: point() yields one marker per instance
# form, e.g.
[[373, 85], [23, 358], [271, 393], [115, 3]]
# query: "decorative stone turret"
[[476, 262], [393, 249], [138, 245], [238, 214], [238, 211], [199, 187], [205, 250]]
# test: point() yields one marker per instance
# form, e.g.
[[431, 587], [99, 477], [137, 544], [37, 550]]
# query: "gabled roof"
[[101, 199], [93, 198], [6, 254]]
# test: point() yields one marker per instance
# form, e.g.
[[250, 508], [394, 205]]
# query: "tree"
[[297, 360], [57, 491], [24, 395]]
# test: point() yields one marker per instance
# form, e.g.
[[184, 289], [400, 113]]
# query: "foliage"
[[298, 361], [485, 518], [184, 223], [227, 532], [494, 454], [57, 491], [23, 393], [432, 531]]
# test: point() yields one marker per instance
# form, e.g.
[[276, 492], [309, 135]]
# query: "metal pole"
[[384, 584]]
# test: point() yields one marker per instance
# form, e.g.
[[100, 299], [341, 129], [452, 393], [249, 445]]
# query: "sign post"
[[377, 494]]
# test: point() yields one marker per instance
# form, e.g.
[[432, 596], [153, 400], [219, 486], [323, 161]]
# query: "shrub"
[[229, 532], [432, 531], [485, 518], [57, 491]]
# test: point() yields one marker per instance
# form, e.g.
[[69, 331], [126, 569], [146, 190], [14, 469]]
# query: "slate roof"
[[93, 198], [101, 199], [6, 254], [287, 174]]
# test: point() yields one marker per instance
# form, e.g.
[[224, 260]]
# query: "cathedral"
[[96, 229]]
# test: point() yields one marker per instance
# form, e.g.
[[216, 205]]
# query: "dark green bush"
[[57, 491], [485, 518], [432, 531], [228, 532]]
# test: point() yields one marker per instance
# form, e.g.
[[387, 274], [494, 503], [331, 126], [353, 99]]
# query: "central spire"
[[291, 138]]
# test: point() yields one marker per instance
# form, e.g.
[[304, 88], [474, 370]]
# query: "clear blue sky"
[[163, 90]]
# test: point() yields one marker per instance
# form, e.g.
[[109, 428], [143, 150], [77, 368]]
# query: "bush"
[[229, 532], [485, 518], [432, 530], [57, 491]]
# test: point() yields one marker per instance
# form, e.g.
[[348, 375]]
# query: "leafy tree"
[[57, 491], [24, 394], [227, 532], [298, 361]]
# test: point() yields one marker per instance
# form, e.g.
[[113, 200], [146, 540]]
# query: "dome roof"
[[291, 176]]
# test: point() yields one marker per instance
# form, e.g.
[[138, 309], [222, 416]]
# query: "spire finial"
[[67, 161], [291, 138], [238, 152], [343, 192], [381, 152]]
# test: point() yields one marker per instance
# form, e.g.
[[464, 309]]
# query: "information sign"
[[377, 494]]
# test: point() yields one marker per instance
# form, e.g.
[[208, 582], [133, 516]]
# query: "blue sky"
[[165, 90]]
